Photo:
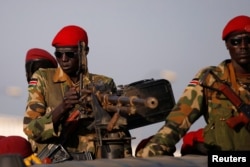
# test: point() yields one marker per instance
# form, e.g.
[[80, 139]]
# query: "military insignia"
[[33, 82], [194, 82]]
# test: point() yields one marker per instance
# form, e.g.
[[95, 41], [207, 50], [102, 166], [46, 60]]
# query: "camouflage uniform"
[[46, 92], [199, 100]]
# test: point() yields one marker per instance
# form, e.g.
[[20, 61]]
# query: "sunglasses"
[[238, 41], [68, 54]]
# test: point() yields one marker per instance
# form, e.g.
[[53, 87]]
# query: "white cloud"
[[14, 91]]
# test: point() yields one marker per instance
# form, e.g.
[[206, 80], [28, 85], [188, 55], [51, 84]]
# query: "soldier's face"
[[67, 58], [238, 46]]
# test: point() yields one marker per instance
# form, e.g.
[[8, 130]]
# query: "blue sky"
[[129, 40]]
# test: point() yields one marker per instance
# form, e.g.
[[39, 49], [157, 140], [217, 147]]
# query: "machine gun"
[[142, 103], [158, 88], [124, 105], [108, 124]]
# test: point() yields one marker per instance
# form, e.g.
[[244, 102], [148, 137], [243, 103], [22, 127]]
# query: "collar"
[[228, 73], [61, 76], [224, 70]]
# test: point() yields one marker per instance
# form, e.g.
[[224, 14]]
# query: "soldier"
[[35, 58], [15, 145], [54, 96], [38, 58], [203, 96]]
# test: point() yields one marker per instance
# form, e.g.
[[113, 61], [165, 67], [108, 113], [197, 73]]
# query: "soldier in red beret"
[[15, 145], [218, 93], [38, 58], [35, 58], [54, 98]]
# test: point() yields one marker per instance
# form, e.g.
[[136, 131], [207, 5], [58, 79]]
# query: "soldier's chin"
[[245, 61], [68, 71]]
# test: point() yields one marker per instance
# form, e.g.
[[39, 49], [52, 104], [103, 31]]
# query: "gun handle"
[[73, 116], [113, 121], [234, 121]]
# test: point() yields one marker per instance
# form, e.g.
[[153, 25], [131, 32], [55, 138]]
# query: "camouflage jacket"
[[198, 100], [46, 91]]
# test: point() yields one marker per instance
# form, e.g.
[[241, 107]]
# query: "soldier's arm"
[[37, 121], [186, 111], [71, 98]]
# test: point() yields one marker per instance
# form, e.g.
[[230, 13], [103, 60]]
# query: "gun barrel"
[[149, 102]]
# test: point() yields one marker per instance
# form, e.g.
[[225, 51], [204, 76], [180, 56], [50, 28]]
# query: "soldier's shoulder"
[[45, 71], [97, 77], [215, 69], [211, 68], [43, 74]]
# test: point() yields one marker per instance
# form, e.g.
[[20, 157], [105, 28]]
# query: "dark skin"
[[70, 66], [239, 49]]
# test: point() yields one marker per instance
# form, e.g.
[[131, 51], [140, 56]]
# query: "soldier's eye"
[[68, 54], [235, 42], [238, 41]]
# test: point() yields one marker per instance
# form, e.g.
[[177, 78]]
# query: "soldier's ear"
[[87, 50], [227, 45]]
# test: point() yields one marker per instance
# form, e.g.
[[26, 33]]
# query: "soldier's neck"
[[75, 78]]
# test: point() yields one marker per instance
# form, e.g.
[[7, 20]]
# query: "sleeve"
[[37, 122], [186, 111]]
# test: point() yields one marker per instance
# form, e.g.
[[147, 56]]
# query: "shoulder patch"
[[33, 82], [194, 82]]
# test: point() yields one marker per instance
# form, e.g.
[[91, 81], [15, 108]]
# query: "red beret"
[[238, 23], [70, 36], [36, 53], [15, 145]]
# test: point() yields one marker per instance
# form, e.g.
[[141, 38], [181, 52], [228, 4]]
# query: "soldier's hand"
[[71, 98], [85, 95]]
